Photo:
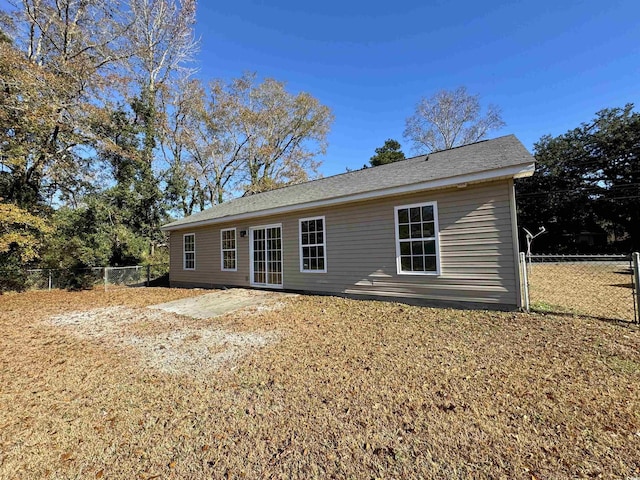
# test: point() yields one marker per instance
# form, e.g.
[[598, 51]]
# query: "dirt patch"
[[224, 301], [163, 341]]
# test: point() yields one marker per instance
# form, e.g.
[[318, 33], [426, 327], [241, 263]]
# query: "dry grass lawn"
[[597, 289], [345, 389]]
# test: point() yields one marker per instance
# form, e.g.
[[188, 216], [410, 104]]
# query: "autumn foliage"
[[105, 133]]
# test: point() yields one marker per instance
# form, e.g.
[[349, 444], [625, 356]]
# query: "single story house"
[[438, 228]]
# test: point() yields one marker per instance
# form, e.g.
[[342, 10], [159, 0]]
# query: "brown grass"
[[597, 289], [351, 390]]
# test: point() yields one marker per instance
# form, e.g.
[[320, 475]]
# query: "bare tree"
[[450, 119], [275, 134], [161, 44], [179, 128], [203, 159], [240, 136], [161, 40]]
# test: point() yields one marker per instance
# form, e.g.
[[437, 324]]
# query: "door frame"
[[251, 260]]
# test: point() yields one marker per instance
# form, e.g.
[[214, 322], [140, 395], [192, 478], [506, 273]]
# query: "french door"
[[266, 256]]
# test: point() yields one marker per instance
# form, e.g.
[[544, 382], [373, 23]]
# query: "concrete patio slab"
[[219, 302]]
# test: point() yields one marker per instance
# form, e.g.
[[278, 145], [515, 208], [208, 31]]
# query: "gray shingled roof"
[[475, 158]]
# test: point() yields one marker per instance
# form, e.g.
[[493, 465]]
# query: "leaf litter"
[[348, 389]]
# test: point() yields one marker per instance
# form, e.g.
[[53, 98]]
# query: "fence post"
[[50, 280], [105, 277], [525, 281], [148, 275], [636, 277]]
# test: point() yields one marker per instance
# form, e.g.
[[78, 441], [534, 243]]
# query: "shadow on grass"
[[558, 311], [162, 281], [628, 271], [622, 285]]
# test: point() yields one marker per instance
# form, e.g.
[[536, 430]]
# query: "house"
[[434, 228]]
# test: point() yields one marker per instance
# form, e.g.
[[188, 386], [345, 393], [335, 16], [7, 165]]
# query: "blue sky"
[[549, 65]]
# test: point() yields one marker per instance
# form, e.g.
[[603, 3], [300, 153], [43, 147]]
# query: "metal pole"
[[148, 275], [636, 276], [105, 278], [525, 281], [49, 279]]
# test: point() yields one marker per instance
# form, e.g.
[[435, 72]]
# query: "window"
[[312, 245], [189, 251], [416, 239], [228, 249]]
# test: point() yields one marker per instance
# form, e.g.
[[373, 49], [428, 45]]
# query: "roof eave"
[[522, 170]]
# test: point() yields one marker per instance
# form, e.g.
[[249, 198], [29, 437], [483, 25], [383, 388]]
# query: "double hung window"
[[228, 250], [189, 251], [313, 245], [417, 239]]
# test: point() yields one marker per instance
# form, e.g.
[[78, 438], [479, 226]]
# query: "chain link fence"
[[600, 286], [106, 277]]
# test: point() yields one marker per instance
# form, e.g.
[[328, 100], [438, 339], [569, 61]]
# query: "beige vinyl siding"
[[208, 270], [475, 238]]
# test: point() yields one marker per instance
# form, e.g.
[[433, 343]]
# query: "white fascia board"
[[516, 171]]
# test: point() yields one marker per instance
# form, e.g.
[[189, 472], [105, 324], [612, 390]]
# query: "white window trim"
[[235, 249], [324, 243], [184, 252], [436, 234]]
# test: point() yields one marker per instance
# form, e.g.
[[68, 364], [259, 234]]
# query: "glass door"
[[266, 256]]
